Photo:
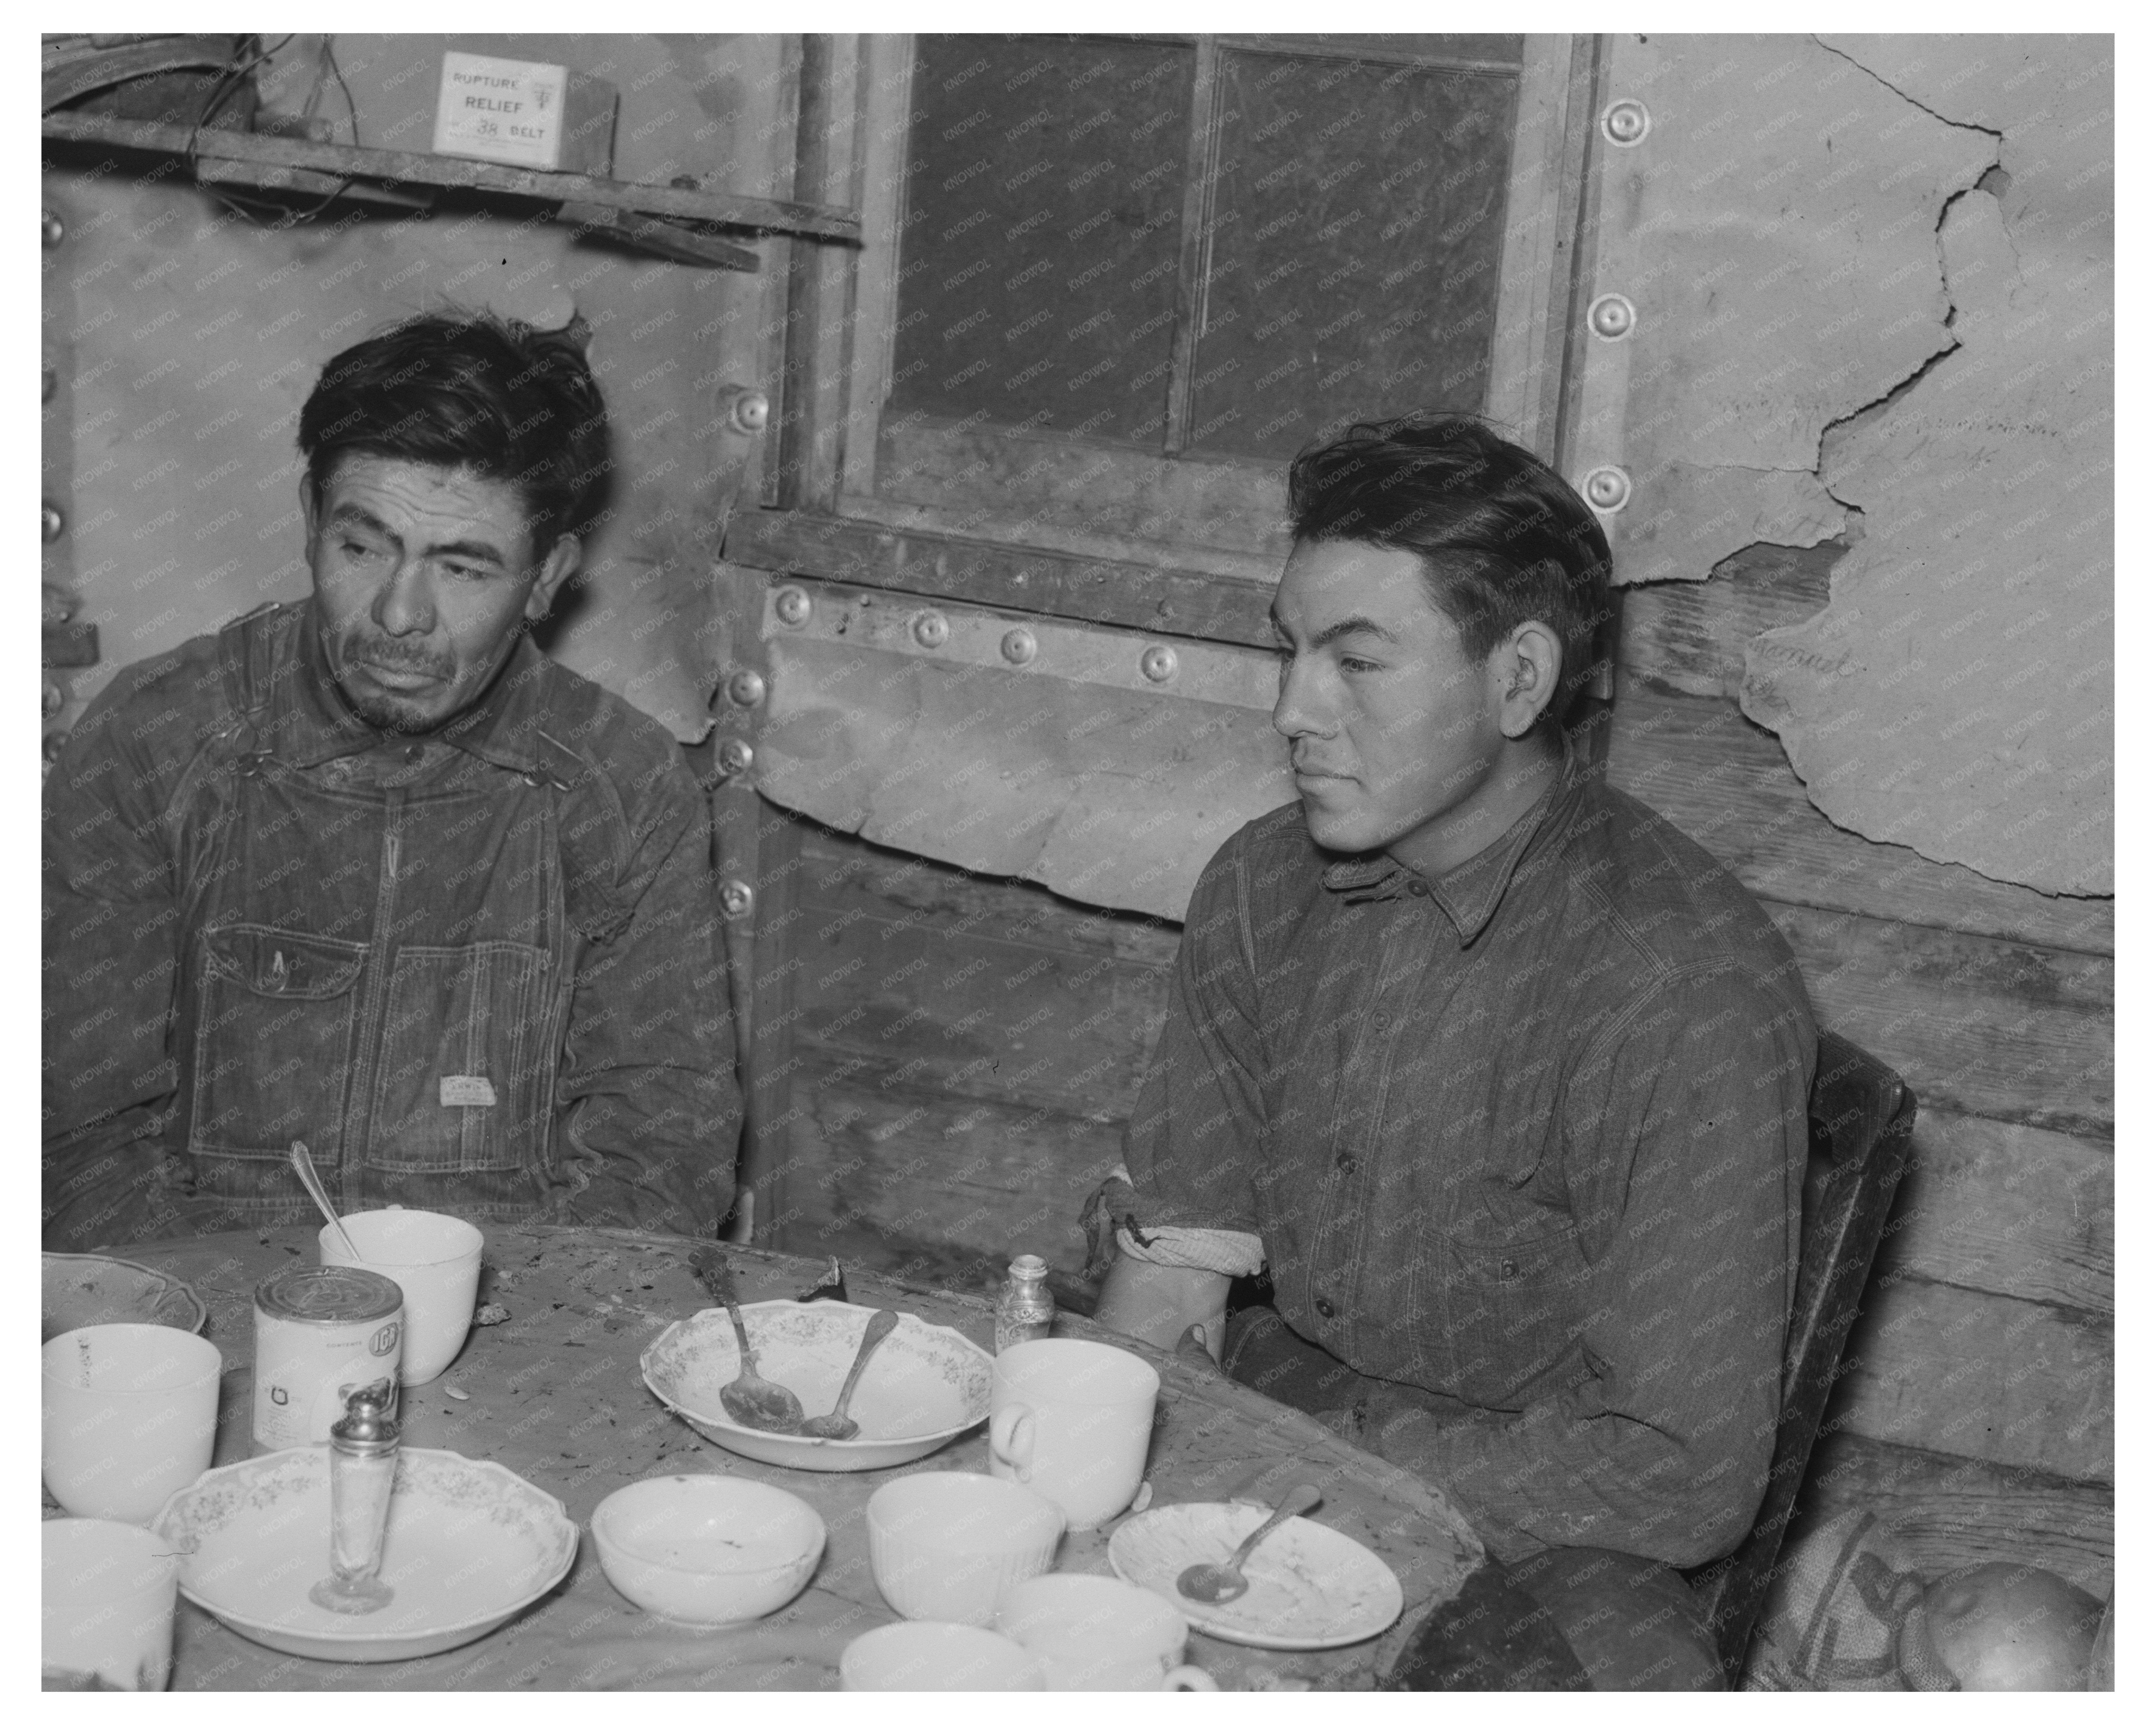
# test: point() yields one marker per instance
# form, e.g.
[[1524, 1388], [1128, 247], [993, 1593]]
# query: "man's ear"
[[307, 506], [1526, 664], [557, 567]]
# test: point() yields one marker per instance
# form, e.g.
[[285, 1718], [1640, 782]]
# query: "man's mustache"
[[390, 654]]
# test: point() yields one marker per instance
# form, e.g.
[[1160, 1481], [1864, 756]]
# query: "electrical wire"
[[247, 55]]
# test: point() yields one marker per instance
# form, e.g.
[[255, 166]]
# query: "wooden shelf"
[[413, 167]]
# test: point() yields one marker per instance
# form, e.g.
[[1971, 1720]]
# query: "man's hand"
[[1157, 1302], [1195, 1348]]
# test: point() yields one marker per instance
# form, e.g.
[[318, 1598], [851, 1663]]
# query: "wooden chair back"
[[1862, 1115]]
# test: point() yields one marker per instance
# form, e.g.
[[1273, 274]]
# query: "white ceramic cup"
[[1072, 1419], [130, 1416], [947, 1546], [1096, 1632], [108, 1592], [919, 1656], [435, 1259]]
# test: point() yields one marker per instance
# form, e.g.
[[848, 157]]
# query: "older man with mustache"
[[372, 872]]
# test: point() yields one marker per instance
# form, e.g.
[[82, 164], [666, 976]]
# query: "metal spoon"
[[749, 1400], [1216, 1583], [303, 1165], [835, 1424]]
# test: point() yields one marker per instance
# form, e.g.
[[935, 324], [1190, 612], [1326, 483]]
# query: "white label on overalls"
[[466, 1090]]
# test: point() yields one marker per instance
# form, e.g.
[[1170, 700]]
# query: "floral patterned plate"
[[470, 1545], [923, 1387], [86, 1288]]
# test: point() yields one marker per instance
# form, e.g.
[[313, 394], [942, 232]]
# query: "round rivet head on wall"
[[1607, 489], [735, 757], [931, 628], [54, 698], [1611, 317], [1626, 122], [749, 411], [54, 228], [745, 688], [1157, 664], [52, 523], [736, 898], [1019, 646], [793, 606]]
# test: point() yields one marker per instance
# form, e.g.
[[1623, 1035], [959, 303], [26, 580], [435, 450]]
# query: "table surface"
[[556, 1394]]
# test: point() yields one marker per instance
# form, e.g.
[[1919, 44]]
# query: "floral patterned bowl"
[[86, 1288], [923, 1388], [470, 1545]]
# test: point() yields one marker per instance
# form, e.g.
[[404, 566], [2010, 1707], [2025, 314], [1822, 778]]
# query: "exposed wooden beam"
[[1160, 600]]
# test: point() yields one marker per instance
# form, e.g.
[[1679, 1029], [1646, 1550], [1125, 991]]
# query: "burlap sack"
[[1833, 1615]]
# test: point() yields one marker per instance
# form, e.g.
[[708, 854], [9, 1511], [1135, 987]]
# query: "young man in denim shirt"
[[371, 872], [1501, 1077]]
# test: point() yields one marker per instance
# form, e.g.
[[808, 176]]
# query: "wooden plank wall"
[[1975, 1411], [945, 1061]]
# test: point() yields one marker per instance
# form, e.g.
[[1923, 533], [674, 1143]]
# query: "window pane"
[[1039, 252], [1360, 214]]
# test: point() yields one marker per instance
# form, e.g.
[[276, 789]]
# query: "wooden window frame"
[[840, 430]]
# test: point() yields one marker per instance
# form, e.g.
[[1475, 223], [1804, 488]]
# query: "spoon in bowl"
[[303, 1166], [749, 1400], [1216, 1583], [835, 1424]]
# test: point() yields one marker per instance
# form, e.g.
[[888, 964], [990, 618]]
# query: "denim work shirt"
[[1525, 1145], [476, 971]]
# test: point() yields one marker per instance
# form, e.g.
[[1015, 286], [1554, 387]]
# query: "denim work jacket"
[[1525, 1146], [476, 971]]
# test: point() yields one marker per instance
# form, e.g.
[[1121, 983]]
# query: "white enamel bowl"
[[707, 1548], [470, 1545], [923, 1387]]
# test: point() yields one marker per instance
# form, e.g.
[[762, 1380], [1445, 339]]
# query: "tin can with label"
[[319, 1335]]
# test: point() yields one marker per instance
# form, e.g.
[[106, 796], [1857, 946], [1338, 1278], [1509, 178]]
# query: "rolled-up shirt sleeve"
[[1683, 1145], [1195, 1138]]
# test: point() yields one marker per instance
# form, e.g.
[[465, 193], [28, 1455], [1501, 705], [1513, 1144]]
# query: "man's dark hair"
[[474, 390], [1502, 539]]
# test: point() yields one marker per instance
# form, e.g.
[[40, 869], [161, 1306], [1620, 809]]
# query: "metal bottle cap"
[[367, 1428]]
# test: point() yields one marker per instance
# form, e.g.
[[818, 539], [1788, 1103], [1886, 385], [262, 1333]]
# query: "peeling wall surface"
[[1955, 695], [187, 338], [1873, 285], [1774, 228]]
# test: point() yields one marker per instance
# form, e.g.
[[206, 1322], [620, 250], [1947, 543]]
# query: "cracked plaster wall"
[[1874, 277]]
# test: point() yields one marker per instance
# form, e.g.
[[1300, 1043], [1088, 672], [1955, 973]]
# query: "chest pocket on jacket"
[[467, 1064], [1520, 1308], [276, 1028]]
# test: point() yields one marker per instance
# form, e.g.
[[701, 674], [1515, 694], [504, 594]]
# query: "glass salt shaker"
[[1025, 1309], [363, 1470]]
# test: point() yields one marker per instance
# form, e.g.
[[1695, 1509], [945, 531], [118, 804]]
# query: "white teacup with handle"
[[1072, 1419], [1095, 1632]]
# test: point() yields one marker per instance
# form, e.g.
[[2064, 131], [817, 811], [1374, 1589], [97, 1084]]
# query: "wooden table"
[[556, 1394]]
